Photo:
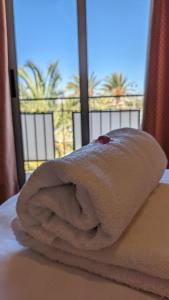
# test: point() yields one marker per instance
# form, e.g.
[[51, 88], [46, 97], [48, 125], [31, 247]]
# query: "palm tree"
[[74, 85], [117, 85], [33, 84], [93, 84]]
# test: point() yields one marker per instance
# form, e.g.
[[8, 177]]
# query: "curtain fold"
[[156, 104], [8, 173]]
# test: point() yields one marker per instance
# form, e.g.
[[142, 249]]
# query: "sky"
[[117, 32]]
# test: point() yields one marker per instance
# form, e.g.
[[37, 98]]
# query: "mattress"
[[25, 275]]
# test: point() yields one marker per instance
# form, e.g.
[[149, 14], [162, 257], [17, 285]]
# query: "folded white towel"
[[89, 197], [140, 258]]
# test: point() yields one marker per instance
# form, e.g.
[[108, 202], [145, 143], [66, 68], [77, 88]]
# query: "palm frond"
[[52, 79], [74, 86], [38, 77], [27, 80]]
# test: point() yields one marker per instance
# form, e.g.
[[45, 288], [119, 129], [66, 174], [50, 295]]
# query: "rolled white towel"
[[90, 196]]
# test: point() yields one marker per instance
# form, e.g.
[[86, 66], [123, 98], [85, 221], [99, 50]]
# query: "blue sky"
[[117, 36]]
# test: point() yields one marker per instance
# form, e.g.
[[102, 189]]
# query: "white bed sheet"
[[25, 275]]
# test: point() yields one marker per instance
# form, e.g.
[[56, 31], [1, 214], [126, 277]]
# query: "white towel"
[[140, 258], [89, 197]]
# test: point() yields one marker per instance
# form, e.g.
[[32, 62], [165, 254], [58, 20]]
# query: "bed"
[[25, 275]]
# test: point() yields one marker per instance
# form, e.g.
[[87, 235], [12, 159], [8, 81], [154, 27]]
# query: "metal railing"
[[51, 127]]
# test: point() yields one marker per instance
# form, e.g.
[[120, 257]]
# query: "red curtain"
[[8, 174], [156, 105]]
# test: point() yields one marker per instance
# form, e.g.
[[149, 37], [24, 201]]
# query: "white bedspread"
[[29, 276]]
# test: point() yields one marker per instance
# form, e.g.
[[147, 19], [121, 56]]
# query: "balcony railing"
[[51, 128]]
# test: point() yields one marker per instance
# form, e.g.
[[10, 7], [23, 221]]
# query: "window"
[[49, 44]]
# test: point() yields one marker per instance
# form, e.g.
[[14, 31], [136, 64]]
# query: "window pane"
[[117, 45], [47, 56]]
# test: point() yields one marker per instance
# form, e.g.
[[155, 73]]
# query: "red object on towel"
[[103, 139]]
